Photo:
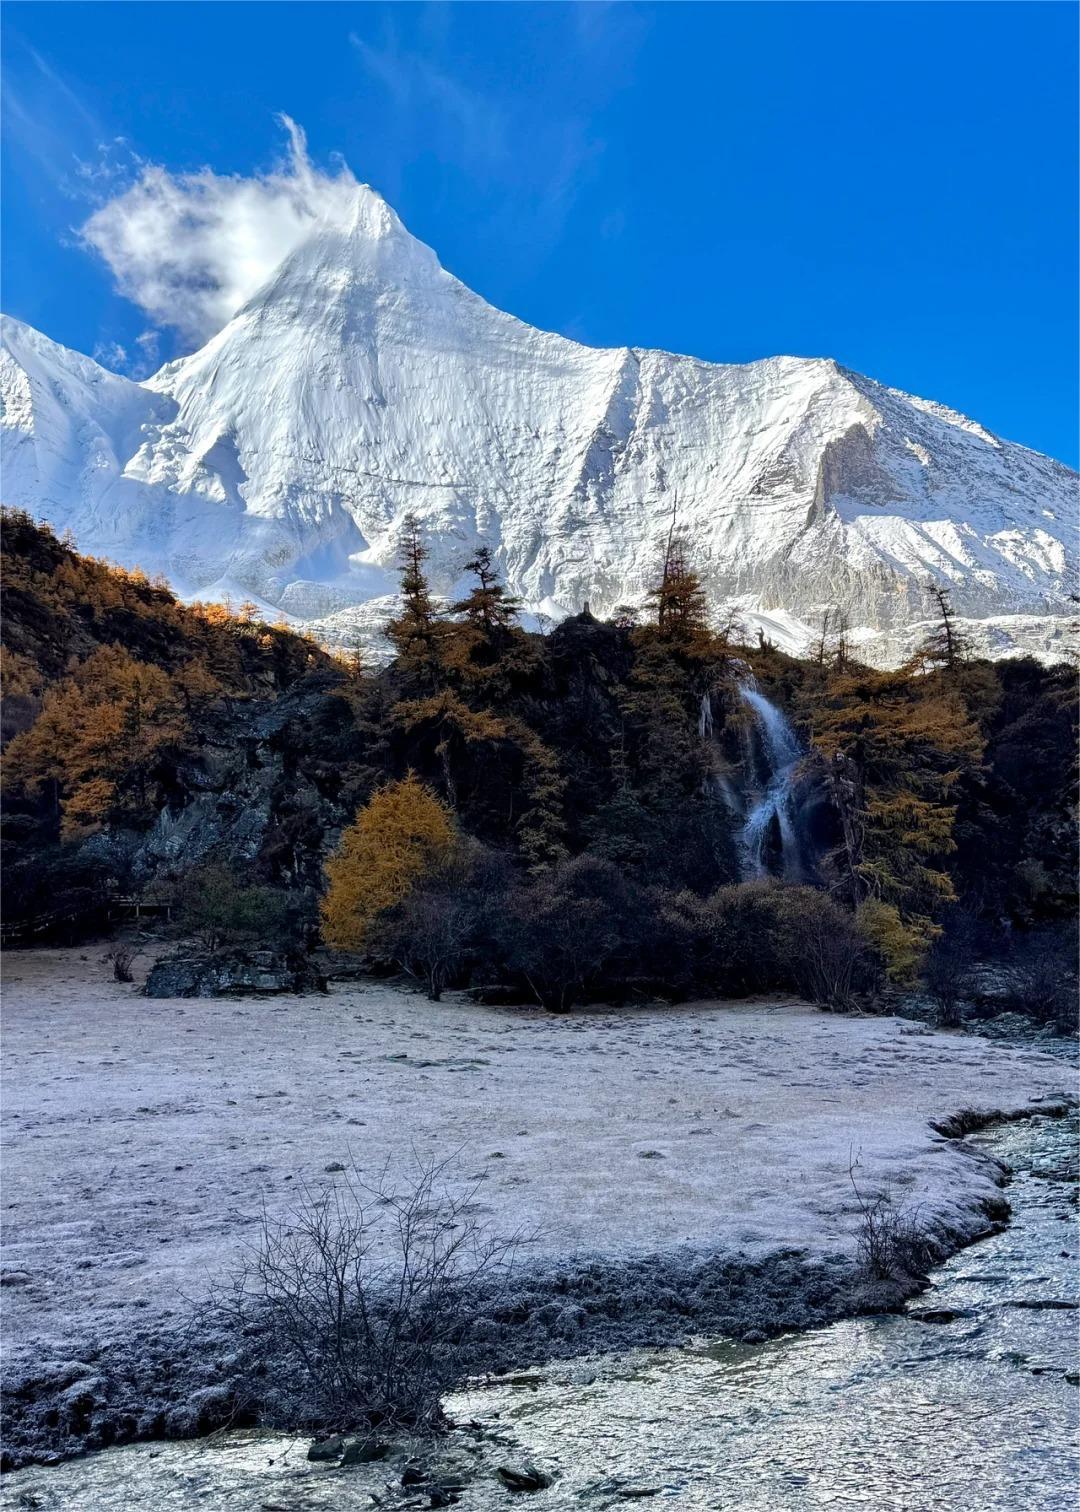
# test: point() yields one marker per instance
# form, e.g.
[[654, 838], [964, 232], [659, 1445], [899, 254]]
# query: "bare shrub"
[[891, 1244], [369, 1288], [944, 987], [567, 933], [947, 969], [122, 958], [436, 928], [767, 936], [1041, 973], [447, 926], [831, 959]]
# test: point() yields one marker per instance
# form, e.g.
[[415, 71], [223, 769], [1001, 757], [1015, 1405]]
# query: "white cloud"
[[111, 355], [149, 345], [190, 249]]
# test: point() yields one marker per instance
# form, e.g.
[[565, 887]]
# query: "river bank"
[[894, 1412], [686, 1168]]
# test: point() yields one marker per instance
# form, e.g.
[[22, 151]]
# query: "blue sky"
[[894, 185]]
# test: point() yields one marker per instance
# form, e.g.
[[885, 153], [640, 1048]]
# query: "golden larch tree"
[[401, 836], [101, 735]]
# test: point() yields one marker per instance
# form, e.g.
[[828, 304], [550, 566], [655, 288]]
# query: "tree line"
[[541, 815]]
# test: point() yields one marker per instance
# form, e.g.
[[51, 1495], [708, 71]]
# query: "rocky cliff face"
[[364, 382]]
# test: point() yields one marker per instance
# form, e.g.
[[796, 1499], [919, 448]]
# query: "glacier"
[[363, 382]]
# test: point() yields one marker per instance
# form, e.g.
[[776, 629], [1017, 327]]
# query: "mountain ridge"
[[363, 381]]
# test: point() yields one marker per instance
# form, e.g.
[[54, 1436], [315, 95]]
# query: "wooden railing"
[[109, 908]]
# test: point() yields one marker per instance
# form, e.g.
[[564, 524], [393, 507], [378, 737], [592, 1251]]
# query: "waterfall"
[[705, 718], [775, 806], [764, 807]]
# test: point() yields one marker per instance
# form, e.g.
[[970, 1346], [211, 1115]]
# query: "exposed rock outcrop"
[[232, 971]]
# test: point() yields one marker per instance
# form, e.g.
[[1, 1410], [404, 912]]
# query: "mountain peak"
[[372, 217], [362, 382], [362, 242]]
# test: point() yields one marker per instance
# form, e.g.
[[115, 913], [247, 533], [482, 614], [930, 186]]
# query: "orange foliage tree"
[[100, 735], [898, 747], [402, 835]]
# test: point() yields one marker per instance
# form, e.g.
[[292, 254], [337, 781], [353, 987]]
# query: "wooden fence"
[[104, 910]]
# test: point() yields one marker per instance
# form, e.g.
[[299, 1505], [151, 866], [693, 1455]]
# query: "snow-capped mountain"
[[363, 381]]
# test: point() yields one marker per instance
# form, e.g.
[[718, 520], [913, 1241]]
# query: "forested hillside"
[[595, 812]]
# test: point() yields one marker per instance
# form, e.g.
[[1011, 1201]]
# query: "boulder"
[[938, 1314], [365, 1452], [328, 1449], [525, 1478], [232, 971]]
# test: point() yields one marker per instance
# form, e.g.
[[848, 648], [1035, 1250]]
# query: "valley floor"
[[141, 1137]]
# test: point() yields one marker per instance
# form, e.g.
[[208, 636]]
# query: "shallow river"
[[885, 1413]]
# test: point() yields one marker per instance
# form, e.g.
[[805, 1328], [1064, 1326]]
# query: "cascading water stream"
[[705, 718], [775, 805], [762, 812]]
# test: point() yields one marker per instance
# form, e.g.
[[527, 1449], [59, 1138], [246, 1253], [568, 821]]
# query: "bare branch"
[[368, 1290]]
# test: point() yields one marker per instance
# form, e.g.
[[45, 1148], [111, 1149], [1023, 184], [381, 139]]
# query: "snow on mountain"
[[363, 381]]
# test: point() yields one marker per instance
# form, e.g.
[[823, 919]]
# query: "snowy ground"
[[140, 1137]]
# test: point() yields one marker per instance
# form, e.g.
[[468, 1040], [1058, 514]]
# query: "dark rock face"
[[232, 971], [262, 789]]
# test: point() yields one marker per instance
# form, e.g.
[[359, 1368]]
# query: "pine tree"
[[897, 747], [678, 599], [541, 827], [821, 649], [484, 649], [488, 606], [445, 725], [946, 646], [415, 632], [100, 736]]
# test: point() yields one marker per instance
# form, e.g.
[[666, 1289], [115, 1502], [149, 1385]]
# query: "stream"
[[978, 1411]]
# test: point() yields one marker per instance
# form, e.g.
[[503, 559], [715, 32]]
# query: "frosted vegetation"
[[147, 1141]]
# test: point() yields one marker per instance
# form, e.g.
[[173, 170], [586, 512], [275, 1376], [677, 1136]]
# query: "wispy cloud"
[[190, 249], [112, 354], [149, 358], [44, 118], [532, 152], [146, 359], [415, 83]]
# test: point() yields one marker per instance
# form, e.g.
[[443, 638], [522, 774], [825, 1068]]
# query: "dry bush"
[[369, 1289], [122, 958], [764, 936], [1041, 973], [218, 909], [434, 927], [947, 969], [830, 957], [892, 1244]]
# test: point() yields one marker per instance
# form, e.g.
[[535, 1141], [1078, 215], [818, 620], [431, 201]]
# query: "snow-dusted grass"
[[141, 1137]]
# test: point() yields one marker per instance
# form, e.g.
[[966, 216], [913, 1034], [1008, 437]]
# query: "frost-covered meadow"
[[141, 1138]]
